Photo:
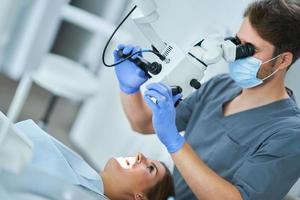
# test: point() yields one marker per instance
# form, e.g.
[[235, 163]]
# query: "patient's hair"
[[164, 188], [278, 22]]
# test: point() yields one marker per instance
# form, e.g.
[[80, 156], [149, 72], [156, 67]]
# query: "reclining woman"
[[126, 178]]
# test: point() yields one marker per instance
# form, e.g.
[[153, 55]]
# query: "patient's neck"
[[113, 189]]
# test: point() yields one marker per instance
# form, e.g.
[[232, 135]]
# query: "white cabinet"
[[62, 26], [32, 37]]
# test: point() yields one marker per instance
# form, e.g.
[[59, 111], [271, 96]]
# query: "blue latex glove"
[[129, 75], [164, 115]]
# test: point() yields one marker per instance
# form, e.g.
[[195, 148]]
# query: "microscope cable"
[[138, 52]]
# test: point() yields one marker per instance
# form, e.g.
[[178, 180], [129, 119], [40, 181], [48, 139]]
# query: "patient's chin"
[[112, 165]]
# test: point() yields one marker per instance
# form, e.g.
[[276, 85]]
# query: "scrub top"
[[257, 150], [54, 158]]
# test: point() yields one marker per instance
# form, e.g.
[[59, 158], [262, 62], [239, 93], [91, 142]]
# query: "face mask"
[[244, 71]]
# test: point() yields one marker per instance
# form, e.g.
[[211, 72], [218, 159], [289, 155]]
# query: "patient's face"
[[137, 173]]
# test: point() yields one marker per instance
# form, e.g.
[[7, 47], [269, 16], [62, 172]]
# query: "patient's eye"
[[151, 168]]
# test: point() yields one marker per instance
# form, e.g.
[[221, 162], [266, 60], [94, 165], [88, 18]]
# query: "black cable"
[[112, 35], [128, 57]]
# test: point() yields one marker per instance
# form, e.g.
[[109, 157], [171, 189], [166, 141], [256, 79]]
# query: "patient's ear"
[[140, 196]]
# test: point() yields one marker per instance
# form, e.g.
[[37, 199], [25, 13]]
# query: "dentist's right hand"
[[130, 76]]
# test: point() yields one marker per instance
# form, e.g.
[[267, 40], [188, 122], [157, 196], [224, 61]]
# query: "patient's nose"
[[140, 158]]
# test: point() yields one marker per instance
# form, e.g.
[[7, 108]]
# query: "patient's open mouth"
[[124, 162]]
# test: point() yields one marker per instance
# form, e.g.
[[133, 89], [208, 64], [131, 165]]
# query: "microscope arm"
[[144, 15]]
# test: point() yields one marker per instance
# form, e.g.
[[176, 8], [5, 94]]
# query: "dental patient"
[[124, 178]]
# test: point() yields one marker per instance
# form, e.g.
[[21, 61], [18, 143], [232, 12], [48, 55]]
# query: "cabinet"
[[75, 35], [75, 29]]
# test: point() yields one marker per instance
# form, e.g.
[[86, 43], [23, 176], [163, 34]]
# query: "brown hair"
[[278, 22], [164, 188]]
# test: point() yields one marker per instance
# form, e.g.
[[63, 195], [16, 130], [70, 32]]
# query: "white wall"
[[292, 80]]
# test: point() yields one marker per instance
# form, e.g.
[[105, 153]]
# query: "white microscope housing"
[[180, 68]]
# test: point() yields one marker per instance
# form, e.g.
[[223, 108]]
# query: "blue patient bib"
[[54, 158]]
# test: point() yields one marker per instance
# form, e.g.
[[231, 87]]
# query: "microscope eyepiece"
[[234, 40], [244, 50]]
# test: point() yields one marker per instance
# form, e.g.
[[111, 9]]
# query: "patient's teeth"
[[123, 162]]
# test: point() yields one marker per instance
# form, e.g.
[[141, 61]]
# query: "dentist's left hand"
[[164, 115]]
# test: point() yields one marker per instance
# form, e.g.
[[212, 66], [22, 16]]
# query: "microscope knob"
[[154, 68], [195, 84], [176, 90]]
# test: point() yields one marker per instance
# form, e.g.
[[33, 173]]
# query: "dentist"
[[242, 130]]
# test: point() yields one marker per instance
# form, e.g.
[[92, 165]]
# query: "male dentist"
[[242, 130]]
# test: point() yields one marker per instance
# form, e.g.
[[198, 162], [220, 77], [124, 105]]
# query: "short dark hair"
[[164, 188], [278, 22]]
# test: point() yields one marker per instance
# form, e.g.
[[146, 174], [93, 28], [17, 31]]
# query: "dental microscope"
[[182, 70]]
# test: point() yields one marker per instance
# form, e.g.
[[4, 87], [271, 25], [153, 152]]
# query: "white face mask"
[[244, 71]]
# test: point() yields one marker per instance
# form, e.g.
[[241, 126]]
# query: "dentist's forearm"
[[204, 182], [137, 112]]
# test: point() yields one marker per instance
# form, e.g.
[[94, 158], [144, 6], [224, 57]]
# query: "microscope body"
[[180, 68], [187, 69]]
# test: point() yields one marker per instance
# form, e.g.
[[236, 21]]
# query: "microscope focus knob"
[[176, 90], [154, 68], [195, 84]]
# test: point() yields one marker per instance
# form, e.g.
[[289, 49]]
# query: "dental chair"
[[18, 181], [294, 193], [36, 185]]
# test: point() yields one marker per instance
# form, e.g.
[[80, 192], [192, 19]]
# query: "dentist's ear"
[[285, 60], [140, 196]]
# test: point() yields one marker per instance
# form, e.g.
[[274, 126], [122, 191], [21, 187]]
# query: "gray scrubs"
[[257, 150]]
